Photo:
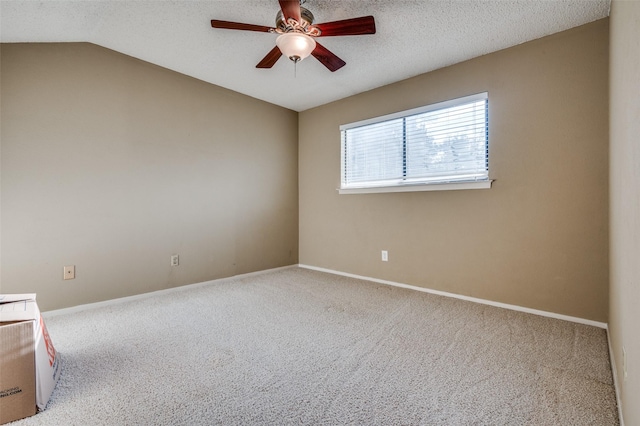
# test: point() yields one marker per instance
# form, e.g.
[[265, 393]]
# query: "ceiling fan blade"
[[328, 59], [271, 58], [239, 26], [290, 9], [355, 26]]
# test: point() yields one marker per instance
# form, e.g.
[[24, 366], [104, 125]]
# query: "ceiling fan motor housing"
[[304, 26]]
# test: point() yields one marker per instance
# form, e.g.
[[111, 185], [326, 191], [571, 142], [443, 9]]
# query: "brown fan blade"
[[239, 26], [290, 9], [271, 58], [328, 59], [355, 26]]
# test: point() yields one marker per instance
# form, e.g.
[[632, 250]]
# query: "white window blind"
[[441, 143]]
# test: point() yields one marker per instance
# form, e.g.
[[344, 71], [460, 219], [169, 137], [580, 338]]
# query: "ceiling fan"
[[297, 34]]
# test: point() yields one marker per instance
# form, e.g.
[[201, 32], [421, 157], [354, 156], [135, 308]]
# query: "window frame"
[[412, 185]]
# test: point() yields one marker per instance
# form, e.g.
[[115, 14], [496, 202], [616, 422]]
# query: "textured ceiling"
[[413, 37]]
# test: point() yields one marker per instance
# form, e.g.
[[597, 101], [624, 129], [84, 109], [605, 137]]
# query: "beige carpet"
[[303, 347]]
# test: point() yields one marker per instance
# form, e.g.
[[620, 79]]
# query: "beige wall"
[[538, 238], [624, 316], [112, 164]]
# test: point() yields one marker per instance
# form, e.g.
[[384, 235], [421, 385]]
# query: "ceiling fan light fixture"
[[295, 46]]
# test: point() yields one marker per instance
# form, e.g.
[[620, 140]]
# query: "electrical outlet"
[[385, 256], [69, 272], [175, 260], [624, 363]]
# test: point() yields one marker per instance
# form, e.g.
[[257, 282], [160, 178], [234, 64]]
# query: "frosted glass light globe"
[[295, 46]]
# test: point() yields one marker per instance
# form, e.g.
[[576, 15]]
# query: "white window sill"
[[449, 186]]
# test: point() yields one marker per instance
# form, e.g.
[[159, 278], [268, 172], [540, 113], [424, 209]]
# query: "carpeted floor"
[[303, 347]]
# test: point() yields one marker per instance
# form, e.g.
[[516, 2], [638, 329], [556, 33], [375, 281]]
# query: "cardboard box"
[[29, 365]]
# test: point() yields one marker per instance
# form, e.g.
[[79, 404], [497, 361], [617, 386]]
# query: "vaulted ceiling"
[[413, 37]]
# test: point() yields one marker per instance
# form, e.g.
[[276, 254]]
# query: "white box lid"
[[8, 298], [24, 309]]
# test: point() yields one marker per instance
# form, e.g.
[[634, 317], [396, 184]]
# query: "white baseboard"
[[462, 297], [614, 371], [88, 306]]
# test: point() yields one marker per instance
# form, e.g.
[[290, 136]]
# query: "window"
[[439, 146]]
